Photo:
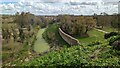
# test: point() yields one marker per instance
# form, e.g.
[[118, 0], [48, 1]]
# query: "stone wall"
[[69, 39]]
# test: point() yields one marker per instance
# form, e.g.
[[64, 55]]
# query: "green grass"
[[94, 35], [110, 29], [40, 44]]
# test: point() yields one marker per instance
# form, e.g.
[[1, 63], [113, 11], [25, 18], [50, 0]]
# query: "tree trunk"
[[86, 30]]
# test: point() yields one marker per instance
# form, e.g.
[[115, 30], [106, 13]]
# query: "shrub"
[[113, 39], [77, 56], [108, 35], [67, 56], [116, 45], [43, 25], [95, 43]]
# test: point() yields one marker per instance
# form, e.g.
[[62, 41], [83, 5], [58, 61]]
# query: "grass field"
[[94, 35], [110, 29]]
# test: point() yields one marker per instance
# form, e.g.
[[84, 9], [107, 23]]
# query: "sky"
[[54, 7], [56, 0]]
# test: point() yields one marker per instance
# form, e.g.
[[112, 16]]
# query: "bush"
[[113, 39], [65, 57], [43, 25], [116, 45], [77, 56], [95, 43], [108, 35]]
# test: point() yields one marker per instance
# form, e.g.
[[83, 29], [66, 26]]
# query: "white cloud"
[[56, 0], [77, 0], [11, 6], [58, 7]]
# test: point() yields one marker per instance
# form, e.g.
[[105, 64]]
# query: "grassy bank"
[[94, 35]]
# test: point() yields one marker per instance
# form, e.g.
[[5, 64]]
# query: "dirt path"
[[40, 44], [101, 30]]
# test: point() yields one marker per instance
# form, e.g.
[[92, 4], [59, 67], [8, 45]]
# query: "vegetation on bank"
[[52, 36], [95, 55]]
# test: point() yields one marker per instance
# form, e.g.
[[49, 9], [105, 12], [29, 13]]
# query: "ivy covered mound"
[[95, 55]]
